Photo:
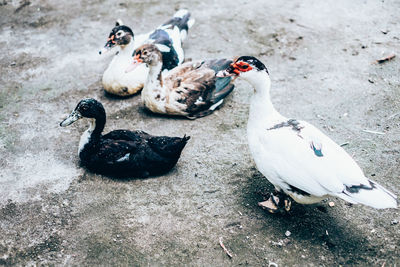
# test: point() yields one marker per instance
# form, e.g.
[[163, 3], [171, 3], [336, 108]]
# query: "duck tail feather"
[[182, 20], [185, 17], [169, 146], [373, 195], [185, 139]]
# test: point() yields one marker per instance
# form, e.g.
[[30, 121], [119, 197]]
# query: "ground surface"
[[320, 55]]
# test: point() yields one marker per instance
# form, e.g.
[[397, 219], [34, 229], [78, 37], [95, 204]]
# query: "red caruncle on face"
[[241, 66]]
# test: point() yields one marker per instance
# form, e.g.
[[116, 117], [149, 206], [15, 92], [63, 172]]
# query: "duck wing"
[[195, 87], [127, 135], [168, 146], [114, 152], [302, 157]]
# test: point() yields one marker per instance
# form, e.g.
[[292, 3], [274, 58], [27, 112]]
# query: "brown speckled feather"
[[194, 86]]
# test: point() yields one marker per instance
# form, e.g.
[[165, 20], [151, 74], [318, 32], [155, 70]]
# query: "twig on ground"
[[224, 248], [22, 5], [345, 144], [393, 116], [373, 132], [388, 58]]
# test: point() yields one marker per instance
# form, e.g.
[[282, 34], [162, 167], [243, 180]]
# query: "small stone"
[[393, 222], [288, 233], [331, 204]]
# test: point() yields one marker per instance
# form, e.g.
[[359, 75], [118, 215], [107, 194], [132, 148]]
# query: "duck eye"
[[144, 53], [119, 34]]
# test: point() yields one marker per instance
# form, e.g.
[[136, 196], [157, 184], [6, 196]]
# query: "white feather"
[[85, 137], [124, 158], [141, 39], [115, 79], [163, 48], [216, 105], [181, 13]]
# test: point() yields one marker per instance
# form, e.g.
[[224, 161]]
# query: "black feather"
[[170, 59], [122, 153], [181, 23]]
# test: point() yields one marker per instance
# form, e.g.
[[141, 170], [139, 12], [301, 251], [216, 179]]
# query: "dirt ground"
[[320, 55]]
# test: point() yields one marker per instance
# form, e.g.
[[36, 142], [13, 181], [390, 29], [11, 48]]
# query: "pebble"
[[288, 233], [331, 204], [393, 222]]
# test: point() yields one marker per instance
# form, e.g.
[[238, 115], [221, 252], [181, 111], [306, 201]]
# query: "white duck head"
[[120, 35], [250, 69]]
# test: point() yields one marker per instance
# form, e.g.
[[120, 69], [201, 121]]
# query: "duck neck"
[[97, 125], [154, 79], [93, 133], [261, 106], [126, 50]]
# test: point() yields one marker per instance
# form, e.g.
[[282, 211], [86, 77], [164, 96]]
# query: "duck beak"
[[224, 73], [73, 117], [107, 47], [104, 50], [136, 62]]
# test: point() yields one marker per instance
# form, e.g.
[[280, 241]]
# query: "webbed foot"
[[276, 202]]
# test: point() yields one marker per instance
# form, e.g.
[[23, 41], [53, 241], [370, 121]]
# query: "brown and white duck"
[[171, 34], [191, 89]]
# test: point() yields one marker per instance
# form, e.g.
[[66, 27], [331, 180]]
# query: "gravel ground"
[[320, 55]]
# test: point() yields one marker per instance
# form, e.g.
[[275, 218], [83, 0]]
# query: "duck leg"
[[277, 201]]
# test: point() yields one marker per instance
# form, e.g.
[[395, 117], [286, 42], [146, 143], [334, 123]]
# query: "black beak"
[[73, 117]]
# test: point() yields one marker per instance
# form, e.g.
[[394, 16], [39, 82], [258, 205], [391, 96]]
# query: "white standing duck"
[[191, 89], [297, 158], [170, 34]]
